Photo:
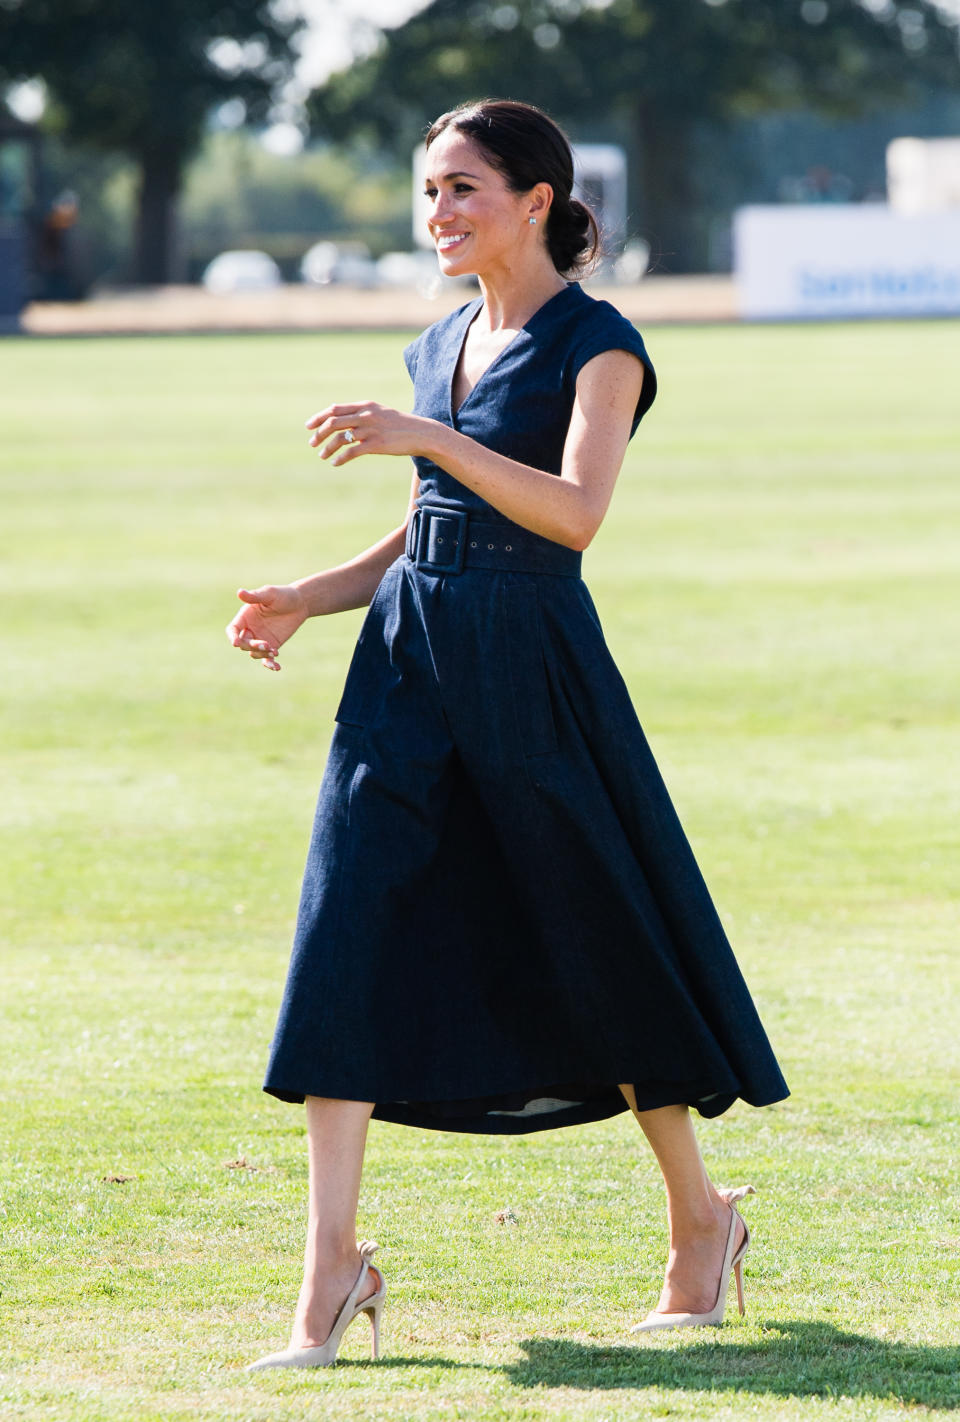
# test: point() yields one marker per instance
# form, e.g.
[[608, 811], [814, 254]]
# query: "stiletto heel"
[[373, 1312], [732, 1198], [732, 1263], [738, 1275], [326, 1353]]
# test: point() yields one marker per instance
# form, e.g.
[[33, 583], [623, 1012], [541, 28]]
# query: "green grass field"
[[779, 578]]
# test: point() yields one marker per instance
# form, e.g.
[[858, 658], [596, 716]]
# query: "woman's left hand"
[[342, 432]]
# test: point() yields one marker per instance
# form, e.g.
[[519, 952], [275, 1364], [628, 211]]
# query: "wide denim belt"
[[445, 540]]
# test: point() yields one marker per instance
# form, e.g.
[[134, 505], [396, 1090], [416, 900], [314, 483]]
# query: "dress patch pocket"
[[354, 702], [528, 673], [360, 692]]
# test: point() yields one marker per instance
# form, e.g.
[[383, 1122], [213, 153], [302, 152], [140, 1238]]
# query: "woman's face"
[[477, 222]]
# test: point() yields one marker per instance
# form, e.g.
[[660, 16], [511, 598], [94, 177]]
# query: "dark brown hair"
[[527, 147]]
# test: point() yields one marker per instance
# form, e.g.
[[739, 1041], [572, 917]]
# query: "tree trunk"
[[160, 173], [665, 200]]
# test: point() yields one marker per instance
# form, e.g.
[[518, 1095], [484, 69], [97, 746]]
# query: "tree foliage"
[[140, 77], [657, 66]]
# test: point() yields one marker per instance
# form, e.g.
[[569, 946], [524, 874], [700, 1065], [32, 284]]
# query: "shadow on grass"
[[794, 1360]]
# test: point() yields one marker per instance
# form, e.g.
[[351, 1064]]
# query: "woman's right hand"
[[269, 618]]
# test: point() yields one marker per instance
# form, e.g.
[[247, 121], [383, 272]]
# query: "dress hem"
[[481, 1117]]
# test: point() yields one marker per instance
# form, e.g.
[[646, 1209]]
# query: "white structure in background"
[[859, 259], [600, 179], [923, 175]]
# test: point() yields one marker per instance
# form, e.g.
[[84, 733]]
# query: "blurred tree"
[[236, 193], [660, 67], [140, 78]]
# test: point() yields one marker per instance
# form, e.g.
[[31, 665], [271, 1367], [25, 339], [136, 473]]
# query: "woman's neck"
[[511, 298]]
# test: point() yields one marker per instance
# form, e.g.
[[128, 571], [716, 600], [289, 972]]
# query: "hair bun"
[[573, 236]]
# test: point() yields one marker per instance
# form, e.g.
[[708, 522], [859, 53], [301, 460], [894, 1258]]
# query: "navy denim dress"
[[501, 917]]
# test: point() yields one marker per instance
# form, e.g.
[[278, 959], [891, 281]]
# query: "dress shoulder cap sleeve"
[[602, 328], [411, 355]]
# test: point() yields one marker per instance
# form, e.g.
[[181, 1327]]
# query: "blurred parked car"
[[241, 271], [420, 271], [347, 263]]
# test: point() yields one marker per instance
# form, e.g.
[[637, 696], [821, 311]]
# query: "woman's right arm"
[[272, 614]]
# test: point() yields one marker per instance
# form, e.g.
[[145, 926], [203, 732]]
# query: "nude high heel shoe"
[[325, 1353], [732, 1262]]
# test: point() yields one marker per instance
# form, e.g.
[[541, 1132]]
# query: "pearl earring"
[[532, 221]]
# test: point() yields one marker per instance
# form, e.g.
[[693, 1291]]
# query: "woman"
[[502, 927]]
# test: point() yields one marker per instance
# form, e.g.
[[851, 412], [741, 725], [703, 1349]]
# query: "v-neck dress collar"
[[470, 313]]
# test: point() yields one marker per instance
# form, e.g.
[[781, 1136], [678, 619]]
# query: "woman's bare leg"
[[699, 1219], [336, 1137]]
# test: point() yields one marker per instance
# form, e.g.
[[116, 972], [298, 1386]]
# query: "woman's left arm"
[[568, 509]]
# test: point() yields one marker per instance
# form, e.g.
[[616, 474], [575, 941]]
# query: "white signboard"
[[845, 260]]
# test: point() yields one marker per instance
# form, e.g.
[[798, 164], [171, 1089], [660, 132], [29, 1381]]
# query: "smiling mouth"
[[447, 242]]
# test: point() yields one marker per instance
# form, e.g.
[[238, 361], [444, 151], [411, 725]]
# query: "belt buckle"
[[413, 535], [430, 539]]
